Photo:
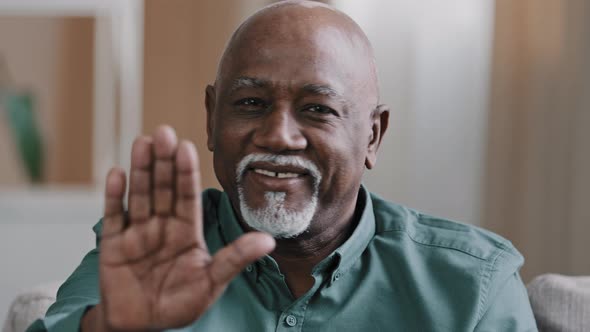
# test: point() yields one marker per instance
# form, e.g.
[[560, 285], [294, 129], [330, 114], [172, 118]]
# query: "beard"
[[274, 217]]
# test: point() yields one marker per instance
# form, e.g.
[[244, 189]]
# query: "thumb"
[[231, 260]]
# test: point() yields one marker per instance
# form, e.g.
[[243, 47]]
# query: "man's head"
[[294, 117]]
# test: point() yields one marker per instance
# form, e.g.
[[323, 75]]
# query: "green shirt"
[[399, 271]]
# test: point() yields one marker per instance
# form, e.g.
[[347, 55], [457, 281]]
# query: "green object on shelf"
[[21, 120]]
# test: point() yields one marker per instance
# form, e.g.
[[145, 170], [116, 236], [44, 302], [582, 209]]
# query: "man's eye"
[[251, 102], [319, 109]]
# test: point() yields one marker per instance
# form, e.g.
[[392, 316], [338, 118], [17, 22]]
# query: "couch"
[[30, 305]]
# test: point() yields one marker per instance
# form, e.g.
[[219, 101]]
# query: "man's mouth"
[[277, 173], [270, 177], [280, 175]]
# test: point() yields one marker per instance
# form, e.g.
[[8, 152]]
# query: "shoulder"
[[469, 262], [443, 235]]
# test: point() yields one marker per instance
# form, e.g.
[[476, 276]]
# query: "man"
[[294, 242]]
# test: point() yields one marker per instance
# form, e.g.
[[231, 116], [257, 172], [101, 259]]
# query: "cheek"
[[342, 159], [229, 146], [231, 139]]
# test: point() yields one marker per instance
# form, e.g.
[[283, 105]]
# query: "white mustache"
[[279, 160]]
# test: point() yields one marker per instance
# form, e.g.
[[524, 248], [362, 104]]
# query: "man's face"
[[290, 126]]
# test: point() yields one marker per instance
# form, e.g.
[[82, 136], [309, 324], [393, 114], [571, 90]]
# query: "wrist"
[[93, 320]]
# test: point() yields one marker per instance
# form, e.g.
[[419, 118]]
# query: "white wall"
[[433, 59], [43, 236]]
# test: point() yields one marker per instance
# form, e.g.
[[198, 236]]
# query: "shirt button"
[[291, 320], [337, 276], [249, 268]]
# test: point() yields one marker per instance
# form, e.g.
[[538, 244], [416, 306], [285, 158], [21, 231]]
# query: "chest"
[[365, 298]]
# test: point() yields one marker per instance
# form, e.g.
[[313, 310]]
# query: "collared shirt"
[[400, 270]]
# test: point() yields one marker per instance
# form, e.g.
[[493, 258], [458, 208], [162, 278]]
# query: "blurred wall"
[[433, 59], [538, 162], [52, 57]]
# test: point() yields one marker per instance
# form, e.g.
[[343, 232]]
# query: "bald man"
[[295, 242]]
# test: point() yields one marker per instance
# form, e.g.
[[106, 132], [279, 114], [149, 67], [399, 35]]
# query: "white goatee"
[[274, 217]]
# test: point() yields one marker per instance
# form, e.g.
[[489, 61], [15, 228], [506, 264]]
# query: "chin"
[[275, 218]]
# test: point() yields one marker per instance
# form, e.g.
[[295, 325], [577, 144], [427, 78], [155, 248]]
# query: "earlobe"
[[379, 124], [210, 106]]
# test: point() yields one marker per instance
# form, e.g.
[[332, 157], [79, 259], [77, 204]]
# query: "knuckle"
[[164, 173], [140, 181], [163, 201], [139, 206]]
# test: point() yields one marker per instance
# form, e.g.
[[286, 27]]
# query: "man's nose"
[[280, 132]]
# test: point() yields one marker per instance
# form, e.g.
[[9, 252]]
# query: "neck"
[[297, 258], [314, 247], [329, 229]]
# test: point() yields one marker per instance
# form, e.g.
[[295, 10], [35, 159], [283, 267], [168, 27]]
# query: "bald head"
[[311, 31]]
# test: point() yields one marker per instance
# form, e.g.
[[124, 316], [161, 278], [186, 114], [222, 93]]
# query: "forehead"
[[313, 53]]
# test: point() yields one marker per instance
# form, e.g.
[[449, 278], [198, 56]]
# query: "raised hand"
[[155, 269]]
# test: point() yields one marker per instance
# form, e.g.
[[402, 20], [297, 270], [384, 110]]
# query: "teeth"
[[275, 174], [264, 172], [286, 175]]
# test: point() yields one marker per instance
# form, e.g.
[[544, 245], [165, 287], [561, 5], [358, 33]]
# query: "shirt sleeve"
[[507, 307], [74, 297]]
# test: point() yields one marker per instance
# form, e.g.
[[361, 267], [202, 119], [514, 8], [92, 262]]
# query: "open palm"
[[155, 269]]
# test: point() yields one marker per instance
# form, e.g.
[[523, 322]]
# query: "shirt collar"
[[362, 235], [346, 254]]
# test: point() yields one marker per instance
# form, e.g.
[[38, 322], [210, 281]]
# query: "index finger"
[[188, 187]]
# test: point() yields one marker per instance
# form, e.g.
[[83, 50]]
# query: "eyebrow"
[[327, 91], [247, 82], [323, 90]]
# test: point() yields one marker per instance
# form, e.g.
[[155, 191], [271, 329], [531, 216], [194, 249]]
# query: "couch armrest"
[[560, 303], [29, 306]]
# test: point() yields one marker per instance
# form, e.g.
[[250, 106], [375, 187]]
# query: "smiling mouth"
[[280, 175], [277, 171]]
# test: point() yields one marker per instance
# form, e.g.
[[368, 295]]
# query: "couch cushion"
[[560, 303], [30, 305]]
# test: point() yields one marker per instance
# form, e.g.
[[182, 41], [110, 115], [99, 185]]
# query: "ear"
[[379, 123], [210, 106]]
